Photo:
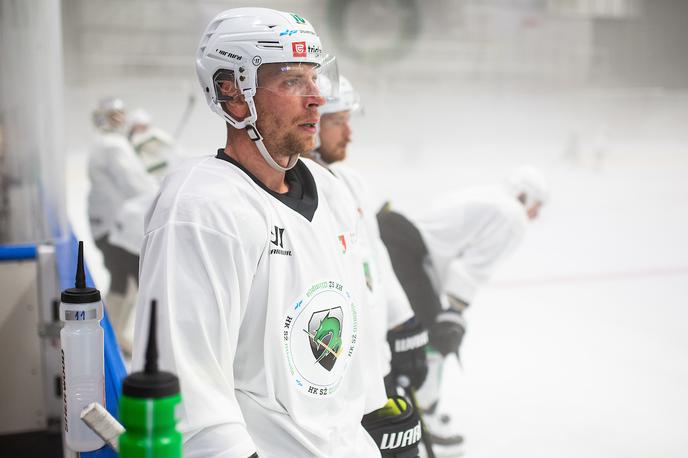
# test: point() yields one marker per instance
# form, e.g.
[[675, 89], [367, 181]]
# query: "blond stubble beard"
[[279, 144]]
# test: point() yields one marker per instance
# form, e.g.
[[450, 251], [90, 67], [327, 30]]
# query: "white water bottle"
[[82, 359]]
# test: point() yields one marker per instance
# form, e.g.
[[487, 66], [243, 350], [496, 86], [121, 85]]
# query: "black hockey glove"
[[447, 332], [395, 428], [408, 353]]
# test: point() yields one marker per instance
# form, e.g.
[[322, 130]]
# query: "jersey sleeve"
[[476, 262], [201, 278], [127, 231], [398, 307]]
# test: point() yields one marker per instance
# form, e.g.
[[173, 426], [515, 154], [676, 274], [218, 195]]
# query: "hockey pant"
[[124, 280], [410, 261]]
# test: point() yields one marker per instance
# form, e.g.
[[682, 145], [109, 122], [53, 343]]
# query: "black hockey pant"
[[409, 257]]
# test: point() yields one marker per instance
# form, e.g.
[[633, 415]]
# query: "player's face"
[[534, 210], [335, 136], [117, 119], [287, 102]]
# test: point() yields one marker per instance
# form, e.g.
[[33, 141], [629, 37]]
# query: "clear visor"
[[300, 79]]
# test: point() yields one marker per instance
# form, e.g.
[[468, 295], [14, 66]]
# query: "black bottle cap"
[[80, 294], [151, 383]]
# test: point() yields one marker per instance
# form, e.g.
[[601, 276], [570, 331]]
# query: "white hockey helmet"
[[234, 46], [347, 99], [140, 117], [109, 114], [529, 182]]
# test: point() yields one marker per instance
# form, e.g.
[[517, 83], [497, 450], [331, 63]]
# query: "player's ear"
[[230, 96]]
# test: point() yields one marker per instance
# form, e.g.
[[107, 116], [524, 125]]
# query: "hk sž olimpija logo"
[[319, 338]]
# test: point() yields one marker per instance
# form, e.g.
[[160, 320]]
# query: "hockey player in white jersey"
[[403, 339], [116, 175], [443, 255], [405, 355], [252, 255], [155, 147]]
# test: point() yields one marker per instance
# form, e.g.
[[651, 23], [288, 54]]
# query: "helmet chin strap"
[[254, 135], [252, 131]]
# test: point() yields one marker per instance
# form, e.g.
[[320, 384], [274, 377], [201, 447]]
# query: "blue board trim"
[[17, 252]]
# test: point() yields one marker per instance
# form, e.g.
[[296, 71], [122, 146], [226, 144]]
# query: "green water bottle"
[[147, 408]]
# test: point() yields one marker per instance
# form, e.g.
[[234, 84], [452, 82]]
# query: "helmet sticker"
[[298, 19], [315, 50], [228, 54], [299, 48]]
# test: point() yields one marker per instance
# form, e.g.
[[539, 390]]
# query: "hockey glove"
[[395, 428], [408, 352], [447, 332]]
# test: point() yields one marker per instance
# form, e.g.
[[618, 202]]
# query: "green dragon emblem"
[[326, 338]]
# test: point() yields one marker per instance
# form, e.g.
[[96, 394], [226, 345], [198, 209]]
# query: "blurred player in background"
[[117, 175], [403, 353], [155, 147], [156, 150], [443, 255]]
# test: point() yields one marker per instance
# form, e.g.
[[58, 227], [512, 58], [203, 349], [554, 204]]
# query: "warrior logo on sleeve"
[[319, 337]]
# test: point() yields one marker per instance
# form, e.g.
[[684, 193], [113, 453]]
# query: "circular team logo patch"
[[319, 337]]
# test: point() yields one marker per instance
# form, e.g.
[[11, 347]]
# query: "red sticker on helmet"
[[299, 49]]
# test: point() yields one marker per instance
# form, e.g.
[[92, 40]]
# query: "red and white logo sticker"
[[298, 48]]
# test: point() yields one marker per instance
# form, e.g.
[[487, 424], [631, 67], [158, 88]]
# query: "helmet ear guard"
[[220, 78], [226, 89]]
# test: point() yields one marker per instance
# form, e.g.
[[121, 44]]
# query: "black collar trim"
[[302, 196]]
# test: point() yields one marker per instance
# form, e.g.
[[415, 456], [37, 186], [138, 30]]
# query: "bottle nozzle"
[[151, 366], [151, 383], [80, 281], [81, 294]]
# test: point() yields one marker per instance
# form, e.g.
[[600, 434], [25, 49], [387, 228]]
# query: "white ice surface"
[[579, 346]]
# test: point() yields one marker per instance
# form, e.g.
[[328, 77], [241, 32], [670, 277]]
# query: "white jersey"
[[116, 174], [263, 313], [467, 233], [127, 230], [390, 303]]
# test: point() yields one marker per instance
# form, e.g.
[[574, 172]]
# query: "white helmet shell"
[[239, 41], [139, 117], [347, 99], [527, 180]]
